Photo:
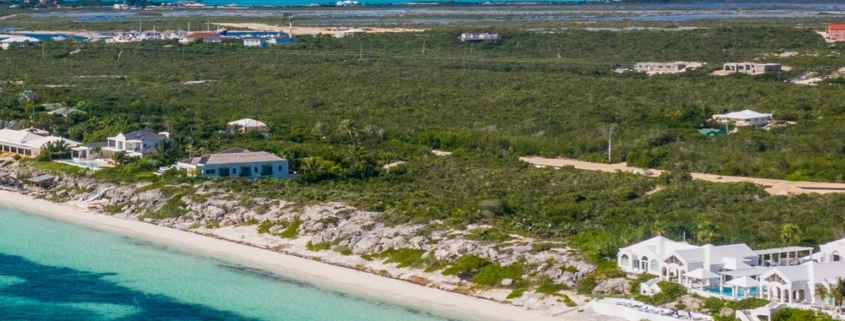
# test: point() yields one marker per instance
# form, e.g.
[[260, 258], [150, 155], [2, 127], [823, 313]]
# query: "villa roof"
[[658, 246], [836, 26], [65, 111], [812, 271], [17, 136], [233, 156], [144, 135], [746, 114], [44, 140], [247, 123]]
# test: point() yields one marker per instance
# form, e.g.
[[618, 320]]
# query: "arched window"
[[644, 264], [654, 266], [623, 261]]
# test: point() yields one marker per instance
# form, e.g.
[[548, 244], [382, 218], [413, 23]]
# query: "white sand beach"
[[292, 266]]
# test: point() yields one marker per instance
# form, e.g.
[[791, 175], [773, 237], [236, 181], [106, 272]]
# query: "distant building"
[[836, 31], [477, 37], [206, 37], [254, 42], [237, 162], [26, 142], [246, 124], [744, 118], [751, 68], [660, 67], [280, 40]]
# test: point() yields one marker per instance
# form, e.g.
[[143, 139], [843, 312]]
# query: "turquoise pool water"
[[53, 270], [729, 292]]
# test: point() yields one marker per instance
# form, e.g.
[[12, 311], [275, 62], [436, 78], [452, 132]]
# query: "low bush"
[[292, 230], [493, 274]]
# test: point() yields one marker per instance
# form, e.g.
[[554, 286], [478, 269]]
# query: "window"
[[210, 171], [654, 266], [623, 261], [280, 168], [266, 170]]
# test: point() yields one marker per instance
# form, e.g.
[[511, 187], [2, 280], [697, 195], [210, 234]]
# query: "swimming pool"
[[727, 291], [80, 163]]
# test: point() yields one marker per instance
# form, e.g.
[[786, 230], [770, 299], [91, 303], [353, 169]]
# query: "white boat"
[[59, 38]]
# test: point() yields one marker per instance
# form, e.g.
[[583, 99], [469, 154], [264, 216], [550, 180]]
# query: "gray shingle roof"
[[233, 156]]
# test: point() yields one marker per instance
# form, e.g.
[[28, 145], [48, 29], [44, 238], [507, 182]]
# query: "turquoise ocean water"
[[54, 270]]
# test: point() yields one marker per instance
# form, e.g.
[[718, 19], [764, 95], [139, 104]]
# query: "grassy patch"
[[317, 247], [515, 294], [174, 207], [113, 209], [466, 266], [252, 221], [264, 227], [60, 168], [493, 274], [292, 230]]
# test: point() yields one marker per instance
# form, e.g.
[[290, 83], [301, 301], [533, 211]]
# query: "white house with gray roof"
[[237, 162]]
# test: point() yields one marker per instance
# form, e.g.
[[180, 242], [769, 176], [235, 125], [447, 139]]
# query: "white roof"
[[16, 136], [783, 250], [19, 39], [43, 140], [812, 272], [746, 114], [26, 138], [657, 247], [702, 274], [247, 123], [744, 282]]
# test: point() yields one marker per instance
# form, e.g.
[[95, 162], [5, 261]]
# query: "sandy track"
[[311, 30], [10, 16], [773, 186]]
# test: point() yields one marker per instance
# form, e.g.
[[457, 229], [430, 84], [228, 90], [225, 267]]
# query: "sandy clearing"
[[773, 186], [311, 30], [307, 270], [10, 16]]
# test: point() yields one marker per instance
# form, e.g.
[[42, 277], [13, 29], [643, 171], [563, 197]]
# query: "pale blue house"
[[237, 162]]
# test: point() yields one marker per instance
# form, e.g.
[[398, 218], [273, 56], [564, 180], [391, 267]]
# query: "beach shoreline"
[[322, 274]]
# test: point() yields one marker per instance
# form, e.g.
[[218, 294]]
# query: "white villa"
[[237, 162], [139, 143], [784, 275], [744, 118], [27, 142], [246, 124]]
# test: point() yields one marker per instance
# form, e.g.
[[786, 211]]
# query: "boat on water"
[[58, 38], [221, 32]]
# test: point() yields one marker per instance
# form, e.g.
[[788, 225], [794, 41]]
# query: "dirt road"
[[773, 186]]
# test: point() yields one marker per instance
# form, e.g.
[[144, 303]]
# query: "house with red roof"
[[836, 31]]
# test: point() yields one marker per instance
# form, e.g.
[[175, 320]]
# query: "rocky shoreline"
[[341, 235]]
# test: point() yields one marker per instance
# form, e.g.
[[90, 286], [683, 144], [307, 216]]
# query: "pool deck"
[[100, 164]]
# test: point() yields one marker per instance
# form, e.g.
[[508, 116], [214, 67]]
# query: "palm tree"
[[321, 130], [166, 150], [120, 157], [347, 128], [355, 153], [706, 232], [658, 228], [837, 292], [236, 128], [310, 165], [822, 291], [56, 148], [790, 234]]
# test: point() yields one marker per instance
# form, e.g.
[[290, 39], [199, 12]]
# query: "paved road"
[[773, 186]]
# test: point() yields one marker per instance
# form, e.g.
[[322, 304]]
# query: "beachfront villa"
[[784, 275], [744, 118], [660, 67], [237, 162], [836, 31], [246, 124], [751, 68], [139, 143], [27, 142]]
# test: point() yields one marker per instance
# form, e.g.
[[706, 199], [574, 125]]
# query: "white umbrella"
[[744, 282]]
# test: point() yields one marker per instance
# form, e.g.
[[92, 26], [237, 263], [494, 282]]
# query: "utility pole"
[[361, 57], [423, 47], [607, 131]]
